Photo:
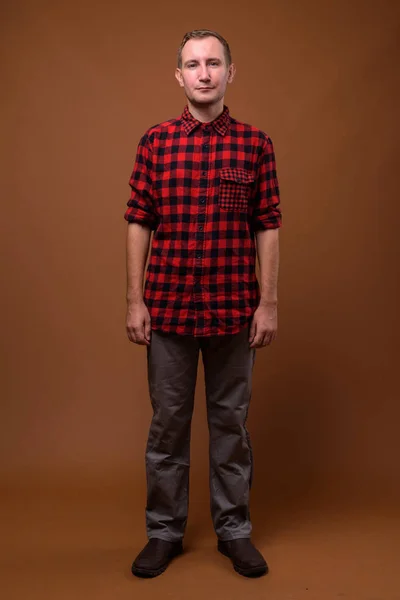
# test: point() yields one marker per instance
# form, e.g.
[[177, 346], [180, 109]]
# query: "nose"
[[204, 74]]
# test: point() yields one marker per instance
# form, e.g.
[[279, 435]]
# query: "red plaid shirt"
[[204, 188]]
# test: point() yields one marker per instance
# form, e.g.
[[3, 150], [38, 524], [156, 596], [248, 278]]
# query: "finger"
[[266, 338], [133, 334], [258, 341], [254, 343], [269, 338], [263, 337], [147, 330], [138, 335], [253, 329], [145, 335]]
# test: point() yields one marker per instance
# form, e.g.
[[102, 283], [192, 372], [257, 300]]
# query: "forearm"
[[137, 248], [268, 259]]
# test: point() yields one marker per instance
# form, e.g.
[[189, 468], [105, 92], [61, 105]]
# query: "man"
[[206, 185]]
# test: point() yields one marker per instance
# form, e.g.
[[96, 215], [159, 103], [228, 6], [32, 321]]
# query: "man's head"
[[204, 67]]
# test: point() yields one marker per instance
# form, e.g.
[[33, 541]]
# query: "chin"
[[205, 99]]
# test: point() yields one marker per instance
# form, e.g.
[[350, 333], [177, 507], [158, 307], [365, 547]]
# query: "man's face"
[[204, 73]]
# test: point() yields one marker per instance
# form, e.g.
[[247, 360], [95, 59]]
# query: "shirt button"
[[202, 200], [198, 255], [206, 146], [204, 173], [200, 227]]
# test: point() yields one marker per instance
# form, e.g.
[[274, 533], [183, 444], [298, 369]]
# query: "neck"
[[206, 113]]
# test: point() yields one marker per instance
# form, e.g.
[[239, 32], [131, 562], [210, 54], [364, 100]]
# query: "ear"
[[231, 73], [178, 76]]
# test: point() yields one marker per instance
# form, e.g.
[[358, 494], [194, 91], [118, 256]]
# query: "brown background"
[[81, 82]]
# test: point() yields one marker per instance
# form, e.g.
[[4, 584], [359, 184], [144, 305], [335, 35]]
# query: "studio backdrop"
[[81, 82]]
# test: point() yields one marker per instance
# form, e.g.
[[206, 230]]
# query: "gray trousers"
[[172, 362]]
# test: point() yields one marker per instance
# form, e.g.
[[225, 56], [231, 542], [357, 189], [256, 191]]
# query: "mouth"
[[205, 88]]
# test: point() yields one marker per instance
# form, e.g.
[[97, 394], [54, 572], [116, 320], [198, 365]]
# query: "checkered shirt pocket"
[[235, 188]]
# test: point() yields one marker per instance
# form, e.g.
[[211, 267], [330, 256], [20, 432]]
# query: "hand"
[[138, 323], [264, 325]]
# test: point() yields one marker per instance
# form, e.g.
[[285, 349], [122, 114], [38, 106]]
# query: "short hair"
[[204, 33]]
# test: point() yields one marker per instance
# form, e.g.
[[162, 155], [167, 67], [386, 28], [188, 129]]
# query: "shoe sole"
[[148, 574], [252, 572]]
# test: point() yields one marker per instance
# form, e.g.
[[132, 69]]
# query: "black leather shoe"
[[155, 557], [246, 559]]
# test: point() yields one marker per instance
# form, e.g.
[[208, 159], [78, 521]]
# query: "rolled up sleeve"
[[266, 212], [141, 207]]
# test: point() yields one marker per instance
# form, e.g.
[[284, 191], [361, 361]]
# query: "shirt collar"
[[220, 124]]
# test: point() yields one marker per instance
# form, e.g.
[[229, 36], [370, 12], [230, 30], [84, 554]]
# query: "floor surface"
[[73, 544]]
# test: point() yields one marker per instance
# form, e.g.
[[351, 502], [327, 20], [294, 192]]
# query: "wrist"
[[268, 303], [134, 301]]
